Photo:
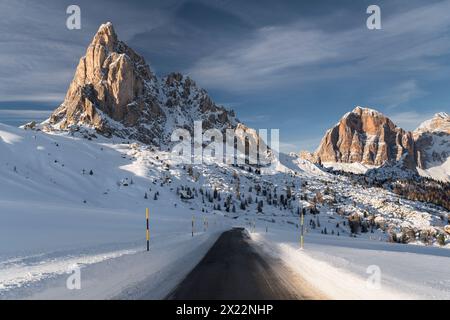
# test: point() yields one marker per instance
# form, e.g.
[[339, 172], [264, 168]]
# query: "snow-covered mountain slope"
[[66, 198], [439, 123], [354, 167]]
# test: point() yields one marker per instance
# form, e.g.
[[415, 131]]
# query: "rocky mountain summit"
[[365, 136], [115, 92], [440, 123], [432, 140]]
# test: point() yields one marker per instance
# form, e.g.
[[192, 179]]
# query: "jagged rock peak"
[[115, 92], [364, 110], [366, 136], [439, 123], [432, 140], [106, 36]]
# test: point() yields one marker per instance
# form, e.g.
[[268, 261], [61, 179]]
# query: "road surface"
[[234, 269]]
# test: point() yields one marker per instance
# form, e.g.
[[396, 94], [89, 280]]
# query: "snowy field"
[[55, 214], [67, 200]]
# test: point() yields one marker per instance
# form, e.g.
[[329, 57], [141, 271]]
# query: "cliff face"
[[115, 92], [366, 136], [432, 139]]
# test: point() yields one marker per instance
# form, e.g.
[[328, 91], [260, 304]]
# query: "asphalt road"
[[235, 269]]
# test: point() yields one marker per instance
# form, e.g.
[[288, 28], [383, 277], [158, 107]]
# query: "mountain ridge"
[[368, 137], [115, 92]]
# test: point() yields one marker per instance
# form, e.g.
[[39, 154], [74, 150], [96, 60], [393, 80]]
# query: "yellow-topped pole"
[[147, 216]]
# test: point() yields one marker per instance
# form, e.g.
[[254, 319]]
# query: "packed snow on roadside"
[[343, 268], [80, 198]]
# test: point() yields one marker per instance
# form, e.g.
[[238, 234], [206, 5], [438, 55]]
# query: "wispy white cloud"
[[260, 61], [309, 144], [291, 54], [21, 116], [255, 118], [38, 54], [400, 94], [287, 147], [410, 120], [18, 113]]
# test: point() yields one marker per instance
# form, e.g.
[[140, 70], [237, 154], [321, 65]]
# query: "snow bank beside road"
[[338, 266], [122, 274], [143, 275]]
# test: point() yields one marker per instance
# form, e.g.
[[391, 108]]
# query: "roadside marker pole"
[[192, 225], [301, 234], [148, 231]]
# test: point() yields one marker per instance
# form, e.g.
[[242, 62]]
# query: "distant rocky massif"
[[368, 137], [432, 141], [115, 92]]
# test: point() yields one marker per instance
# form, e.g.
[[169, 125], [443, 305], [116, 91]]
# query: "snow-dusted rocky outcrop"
[[115, 92], [366, 136], [366, 139], [432, 139]]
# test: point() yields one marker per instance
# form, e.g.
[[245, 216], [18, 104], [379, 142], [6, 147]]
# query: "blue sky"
[[293, 65]]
